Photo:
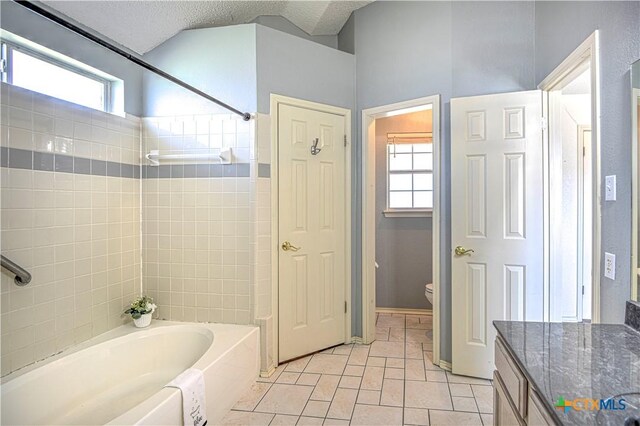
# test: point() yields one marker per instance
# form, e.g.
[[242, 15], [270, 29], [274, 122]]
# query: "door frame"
[[587, 52], [275, 101], [635, 106], [369, 116]]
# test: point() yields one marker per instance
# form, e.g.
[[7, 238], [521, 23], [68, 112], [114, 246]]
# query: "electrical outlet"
[[610, 188], [610, 265]]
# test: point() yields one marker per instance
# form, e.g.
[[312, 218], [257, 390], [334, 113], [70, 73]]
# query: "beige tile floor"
[[390, 382]]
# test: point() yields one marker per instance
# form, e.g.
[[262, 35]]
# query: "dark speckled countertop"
[[578, 361]]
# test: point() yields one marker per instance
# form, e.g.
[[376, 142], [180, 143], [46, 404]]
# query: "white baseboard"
[[405, 311], [445, 365]]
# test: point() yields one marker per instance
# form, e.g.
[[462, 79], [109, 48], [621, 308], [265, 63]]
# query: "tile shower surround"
[[70, 215], [71, 209], [197, 221]]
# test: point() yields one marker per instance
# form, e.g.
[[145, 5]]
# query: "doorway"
[[572, 187], [311, 215], [405, 154]]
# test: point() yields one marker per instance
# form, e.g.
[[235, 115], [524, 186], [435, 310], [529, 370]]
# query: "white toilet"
[[428, 292]]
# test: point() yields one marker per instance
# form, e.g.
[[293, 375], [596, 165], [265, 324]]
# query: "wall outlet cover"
[[610, 188], [610, 266]]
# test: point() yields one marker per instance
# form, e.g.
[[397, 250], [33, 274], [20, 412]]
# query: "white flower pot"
[[143, 321]]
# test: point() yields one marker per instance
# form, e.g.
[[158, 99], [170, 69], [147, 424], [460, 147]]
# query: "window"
[[410, 177], [41, 70]]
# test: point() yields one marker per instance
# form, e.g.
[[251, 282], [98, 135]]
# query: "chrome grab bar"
[[22, 276]]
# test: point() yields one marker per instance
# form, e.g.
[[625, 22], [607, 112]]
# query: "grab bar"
[[22, 276], [154, 157]]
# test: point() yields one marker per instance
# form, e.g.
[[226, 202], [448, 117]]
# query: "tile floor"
[[390, 382]]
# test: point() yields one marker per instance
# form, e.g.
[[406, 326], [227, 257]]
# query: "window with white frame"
[[410, 175], [41, 70]]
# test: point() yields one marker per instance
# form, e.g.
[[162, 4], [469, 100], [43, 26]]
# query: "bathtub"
[[118, 377]]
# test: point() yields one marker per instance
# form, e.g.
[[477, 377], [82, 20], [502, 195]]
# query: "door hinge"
[[345, 306], [583, 290], [543, 123], [584, 151], [345, 140], [3, 65]]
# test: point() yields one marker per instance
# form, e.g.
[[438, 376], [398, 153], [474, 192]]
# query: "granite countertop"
[[573, 360]]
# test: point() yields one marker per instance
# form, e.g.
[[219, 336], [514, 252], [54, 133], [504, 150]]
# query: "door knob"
[[286, 246], [461, 251]]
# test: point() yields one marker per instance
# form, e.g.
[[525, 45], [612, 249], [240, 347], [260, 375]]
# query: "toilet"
[[428, 292]]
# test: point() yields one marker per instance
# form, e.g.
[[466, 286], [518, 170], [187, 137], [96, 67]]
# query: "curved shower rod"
[[60, 21]]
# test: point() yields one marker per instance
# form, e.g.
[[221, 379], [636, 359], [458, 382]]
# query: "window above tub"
[[409, 175], [34, 67]]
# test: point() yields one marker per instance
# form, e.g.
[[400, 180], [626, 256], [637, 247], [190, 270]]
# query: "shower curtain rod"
[[60, 21]]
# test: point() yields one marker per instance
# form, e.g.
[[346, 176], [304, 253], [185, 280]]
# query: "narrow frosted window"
[[50, 79]]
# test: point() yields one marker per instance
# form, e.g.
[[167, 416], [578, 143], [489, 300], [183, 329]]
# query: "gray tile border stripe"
[[15, 158], [43, 161], [4, 156], [98, 167], [64, 163], [82, 166], [113, 169], [192, 171], [20, 159], [264, 170], [46, 161]]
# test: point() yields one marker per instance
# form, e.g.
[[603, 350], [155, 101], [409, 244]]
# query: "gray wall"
[[291, 66], [219, 61], [560, 28], [404, 245], [24, 23], [346, 41], [406, 50], [281, 23]]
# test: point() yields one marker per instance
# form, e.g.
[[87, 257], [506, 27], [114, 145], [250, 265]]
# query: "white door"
[[312, 219], [496, 211]]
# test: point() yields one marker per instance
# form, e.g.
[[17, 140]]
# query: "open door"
[[496, 220]]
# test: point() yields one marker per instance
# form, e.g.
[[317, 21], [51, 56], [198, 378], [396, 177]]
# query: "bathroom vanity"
[[542, 365]]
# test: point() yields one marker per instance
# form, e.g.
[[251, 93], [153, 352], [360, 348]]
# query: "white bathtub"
[[118, 377]]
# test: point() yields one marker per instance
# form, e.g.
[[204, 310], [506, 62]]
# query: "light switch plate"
[[610, 188], [610, 265]]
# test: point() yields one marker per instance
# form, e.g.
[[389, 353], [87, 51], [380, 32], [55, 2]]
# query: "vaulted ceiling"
[[142, 25]]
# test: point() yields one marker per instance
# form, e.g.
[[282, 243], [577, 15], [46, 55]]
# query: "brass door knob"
[[461, 251], [287, 246]]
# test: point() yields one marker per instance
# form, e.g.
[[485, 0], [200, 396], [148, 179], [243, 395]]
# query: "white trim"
[[267, 373], [445, 365], [407, 213], [275, 102], [368, 212], [587, 52], [635, 272], [404, 311]]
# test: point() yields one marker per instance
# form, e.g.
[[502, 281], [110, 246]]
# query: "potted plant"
[[141, 310]]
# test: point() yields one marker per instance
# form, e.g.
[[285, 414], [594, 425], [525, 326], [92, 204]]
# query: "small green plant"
[[140, 306]]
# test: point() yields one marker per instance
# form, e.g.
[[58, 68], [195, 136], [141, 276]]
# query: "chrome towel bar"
[[22, 276]]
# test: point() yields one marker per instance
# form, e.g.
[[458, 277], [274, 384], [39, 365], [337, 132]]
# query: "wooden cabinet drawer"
[[515, 383], [504, 412], [537, 415]]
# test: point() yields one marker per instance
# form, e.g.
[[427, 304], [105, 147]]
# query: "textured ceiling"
[[142, 25]]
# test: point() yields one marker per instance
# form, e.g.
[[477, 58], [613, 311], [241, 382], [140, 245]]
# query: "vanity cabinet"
[[515, 402]]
